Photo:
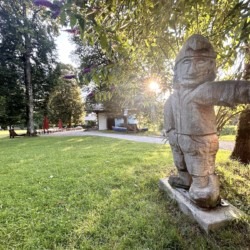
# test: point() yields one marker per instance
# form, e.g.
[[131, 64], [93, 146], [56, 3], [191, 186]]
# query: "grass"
[[227, 137], [102, 193]]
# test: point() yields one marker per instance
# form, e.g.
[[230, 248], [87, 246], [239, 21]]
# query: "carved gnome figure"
[[190, 119]]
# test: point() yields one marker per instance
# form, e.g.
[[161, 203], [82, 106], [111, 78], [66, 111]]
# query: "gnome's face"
[[195, 63], [193, 71]]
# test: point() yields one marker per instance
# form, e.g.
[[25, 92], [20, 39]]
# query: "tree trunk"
[[27, 80], [70, 121], [241, 150], [29, 95]]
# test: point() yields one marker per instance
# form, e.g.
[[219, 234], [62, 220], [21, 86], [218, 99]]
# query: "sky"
[[64, 47]]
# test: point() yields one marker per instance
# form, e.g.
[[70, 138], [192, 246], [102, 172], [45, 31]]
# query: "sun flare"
[[154, 86]]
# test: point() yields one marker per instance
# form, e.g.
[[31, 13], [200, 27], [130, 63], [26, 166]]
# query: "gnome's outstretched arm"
[[222, 93]]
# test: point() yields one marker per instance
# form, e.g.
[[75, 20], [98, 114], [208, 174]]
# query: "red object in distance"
[[60, 124], [45, 123]]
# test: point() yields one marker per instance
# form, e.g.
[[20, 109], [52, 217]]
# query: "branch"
[[34, 15], [170, 45]]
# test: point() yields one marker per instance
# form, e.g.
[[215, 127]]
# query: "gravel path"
[[226, 145]]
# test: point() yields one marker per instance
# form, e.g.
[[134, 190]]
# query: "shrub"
[[228, 130]]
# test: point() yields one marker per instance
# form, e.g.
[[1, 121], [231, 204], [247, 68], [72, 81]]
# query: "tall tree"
[[27, 46], [11, 89], [66, 103]]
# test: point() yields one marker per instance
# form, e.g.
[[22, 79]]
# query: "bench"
[[13, 134]]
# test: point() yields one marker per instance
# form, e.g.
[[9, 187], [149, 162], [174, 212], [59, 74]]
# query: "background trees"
[[27, 61], [65, 100], [66, 103]]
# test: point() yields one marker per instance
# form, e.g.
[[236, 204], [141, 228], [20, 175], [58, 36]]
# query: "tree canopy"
[[152, 30], [139, 40], [123, 44], [27, 63], [66, 103]]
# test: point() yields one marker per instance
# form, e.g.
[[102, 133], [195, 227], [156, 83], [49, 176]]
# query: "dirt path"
[[226, 145]]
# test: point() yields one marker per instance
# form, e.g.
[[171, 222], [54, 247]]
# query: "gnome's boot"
[[183, 180], [204, 191]]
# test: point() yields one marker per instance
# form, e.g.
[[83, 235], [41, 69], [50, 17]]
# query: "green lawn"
[[102, 193], [227, 137]]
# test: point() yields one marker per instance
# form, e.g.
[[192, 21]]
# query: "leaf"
[[146, 42], [103, 41], [81, 22], [63, 17], [73, 20]]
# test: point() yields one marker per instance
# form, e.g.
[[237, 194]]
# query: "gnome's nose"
[[192, 70]]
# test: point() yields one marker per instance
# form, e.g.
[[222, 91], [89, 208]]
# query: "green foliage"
[[227, 115], [73, 193], [140, 39], [66, 103], [229, 130], [12, 105], [234, 179], [153, 31], [27, 61]]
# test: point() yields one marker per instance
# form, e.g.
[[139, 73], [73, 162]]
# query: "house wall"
[[102, 121]]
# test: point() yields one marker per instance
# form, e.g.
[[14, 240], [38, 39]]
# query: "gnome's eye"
[[186, 61]]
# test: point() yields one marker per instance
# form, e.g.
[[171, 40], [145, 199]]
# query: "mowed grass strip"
[[99, 193]]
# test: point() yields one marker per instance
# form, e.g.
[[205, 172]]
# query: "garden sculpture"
[[190, 119]]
